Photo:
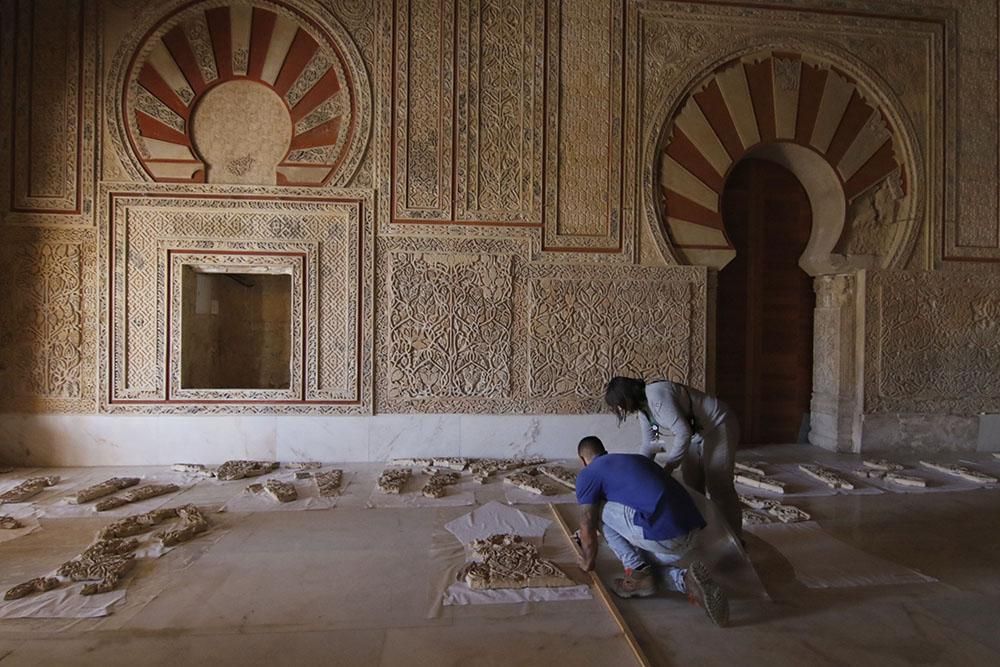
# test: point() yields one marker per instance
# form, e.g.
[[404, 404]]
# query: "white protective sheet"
[[800, 485], [936, 482], [63, 602], [516, 496], [459, 593], [494, 518], [822, 561], [60, 508], [28, 517]]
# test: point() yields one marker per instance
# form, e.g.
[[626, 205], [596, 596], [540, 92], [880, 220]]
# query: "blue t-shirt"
[[663, 508]]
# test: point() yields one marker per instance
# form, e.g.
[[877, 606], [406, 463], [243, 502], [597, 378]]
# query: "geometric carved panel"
[[47, 319], [265, 92], [143, 225], [584, 329], [932, 342], [585, 127], [51, 165]]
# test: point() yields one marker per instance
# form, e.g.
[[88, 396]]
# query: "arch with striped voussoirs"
[[265, 92], [815, 119]]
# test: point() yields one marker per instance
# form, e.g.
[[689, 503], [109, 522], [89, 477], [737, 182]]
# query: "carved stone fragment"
[[28, 489], [481, 469], [9, 523], [507, 561], [135, 495], [564, 476], [38, 585], [758, 482], [303, 474], [825, 475], [239, 469], [328, 483], [451, 462], [905, 480], [283, 492], [191, 467], [438, 483], [137, 523], [193, 522], [773, 509], [752, 517], [881, 464], [422, 461], [961, 471], [304, 465], [105, 488], [754, 468], [536, 484], [393, 480]]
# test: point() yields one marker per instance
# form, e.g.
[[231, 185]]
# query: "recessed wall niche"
[[236, 327]]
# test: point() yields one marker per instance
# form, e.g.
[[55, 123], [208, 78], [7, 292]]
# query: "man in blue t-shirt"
[[647, 519]]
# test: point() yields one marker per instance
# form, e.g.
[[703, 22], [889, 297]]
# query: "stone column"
[[834, 415]]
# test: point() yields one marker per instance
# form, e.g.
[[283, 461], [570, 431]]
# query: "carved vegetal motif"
[[647, 329], [283, 492], [564, 476], [482, 469], [187, 99], [240, 469], [507, 561], [393, 480], [533, 482], [191, 467], [438, 482], [193, 523], [135, 495], [9, 523], [829, 477], [753, 468], [897, 478], [47, 311], [450, 325], [764, 510], [304, 465], [28, 489], [328, 483], [37, 585], [421, 461], [137, 523], [881, 464], [962, 472], [458, 463], [104, 488], [932, 342]]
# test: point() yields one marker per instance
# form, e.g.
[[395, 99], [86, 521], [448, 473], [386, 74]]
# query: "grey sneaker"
[[704, 592], [635, 584]]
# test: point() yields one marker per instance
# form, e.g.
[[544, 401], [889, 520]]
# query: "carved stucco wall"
[[504, 171]]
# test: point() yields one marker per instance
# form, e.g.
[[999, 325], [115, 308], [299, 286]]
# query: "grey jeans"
[[632, 548]]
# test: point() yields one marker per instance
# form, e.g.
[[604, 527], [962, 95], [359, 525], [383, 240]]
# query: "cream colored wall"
[[492, 242]]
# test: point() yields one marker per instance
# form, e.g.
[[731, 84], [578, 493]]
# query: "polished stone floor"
[[353, 585]]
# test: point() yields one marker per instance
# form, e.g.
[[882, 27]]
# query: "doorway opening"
[[764, 332]]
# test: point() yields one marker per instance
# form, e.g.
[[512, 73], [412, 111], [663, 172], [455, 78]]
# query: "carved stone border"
[[350, 213], [176, 260]]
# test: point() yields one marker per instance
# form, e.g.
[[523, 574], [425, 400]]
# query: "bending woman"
[[705, 432]]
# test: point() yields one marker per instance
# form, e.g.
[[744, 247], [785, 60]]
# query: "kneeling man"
[[648, 519]]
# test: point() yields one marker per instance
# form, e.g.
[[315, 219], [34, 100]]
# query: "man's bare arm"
[[588, 536]]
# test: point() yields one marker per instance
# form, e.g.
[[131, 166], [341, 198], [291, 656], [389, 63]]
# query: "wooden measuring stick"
[[602, 592]]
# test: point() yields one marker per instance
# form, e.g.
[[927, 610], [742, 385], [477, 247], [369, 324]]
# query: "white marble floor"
[[356, 586]]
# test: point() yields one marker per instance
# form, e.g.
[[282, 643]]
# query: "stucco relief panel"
[[48, 319], [138, 222], [932, 342], [51, 70]]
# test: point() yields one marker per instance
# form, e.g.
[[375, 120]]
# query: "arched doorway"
[[765, 304]]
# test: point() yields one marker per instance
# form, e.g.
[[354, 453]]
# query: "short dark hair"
[[590, 446], [625, 395]]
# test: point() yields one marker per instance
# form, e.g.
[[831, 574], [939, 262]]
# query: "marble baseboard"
[[925, 433], [94, 440]]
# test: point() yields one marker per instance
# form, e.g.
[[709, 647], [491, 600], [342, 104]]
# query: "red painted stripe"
[[220, 30], [321, 135], [261, 28], [299, 54], [154, 129], [322, 90], [855, 116], [761, 83], [151, 80], [680, 207], [882, 163], [180, 50], [714, 107], [686, 153], [812, 82]]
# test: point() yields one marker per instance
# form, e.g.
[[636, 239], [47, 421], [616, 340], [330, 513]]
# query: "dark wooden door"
[[765, 304]]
